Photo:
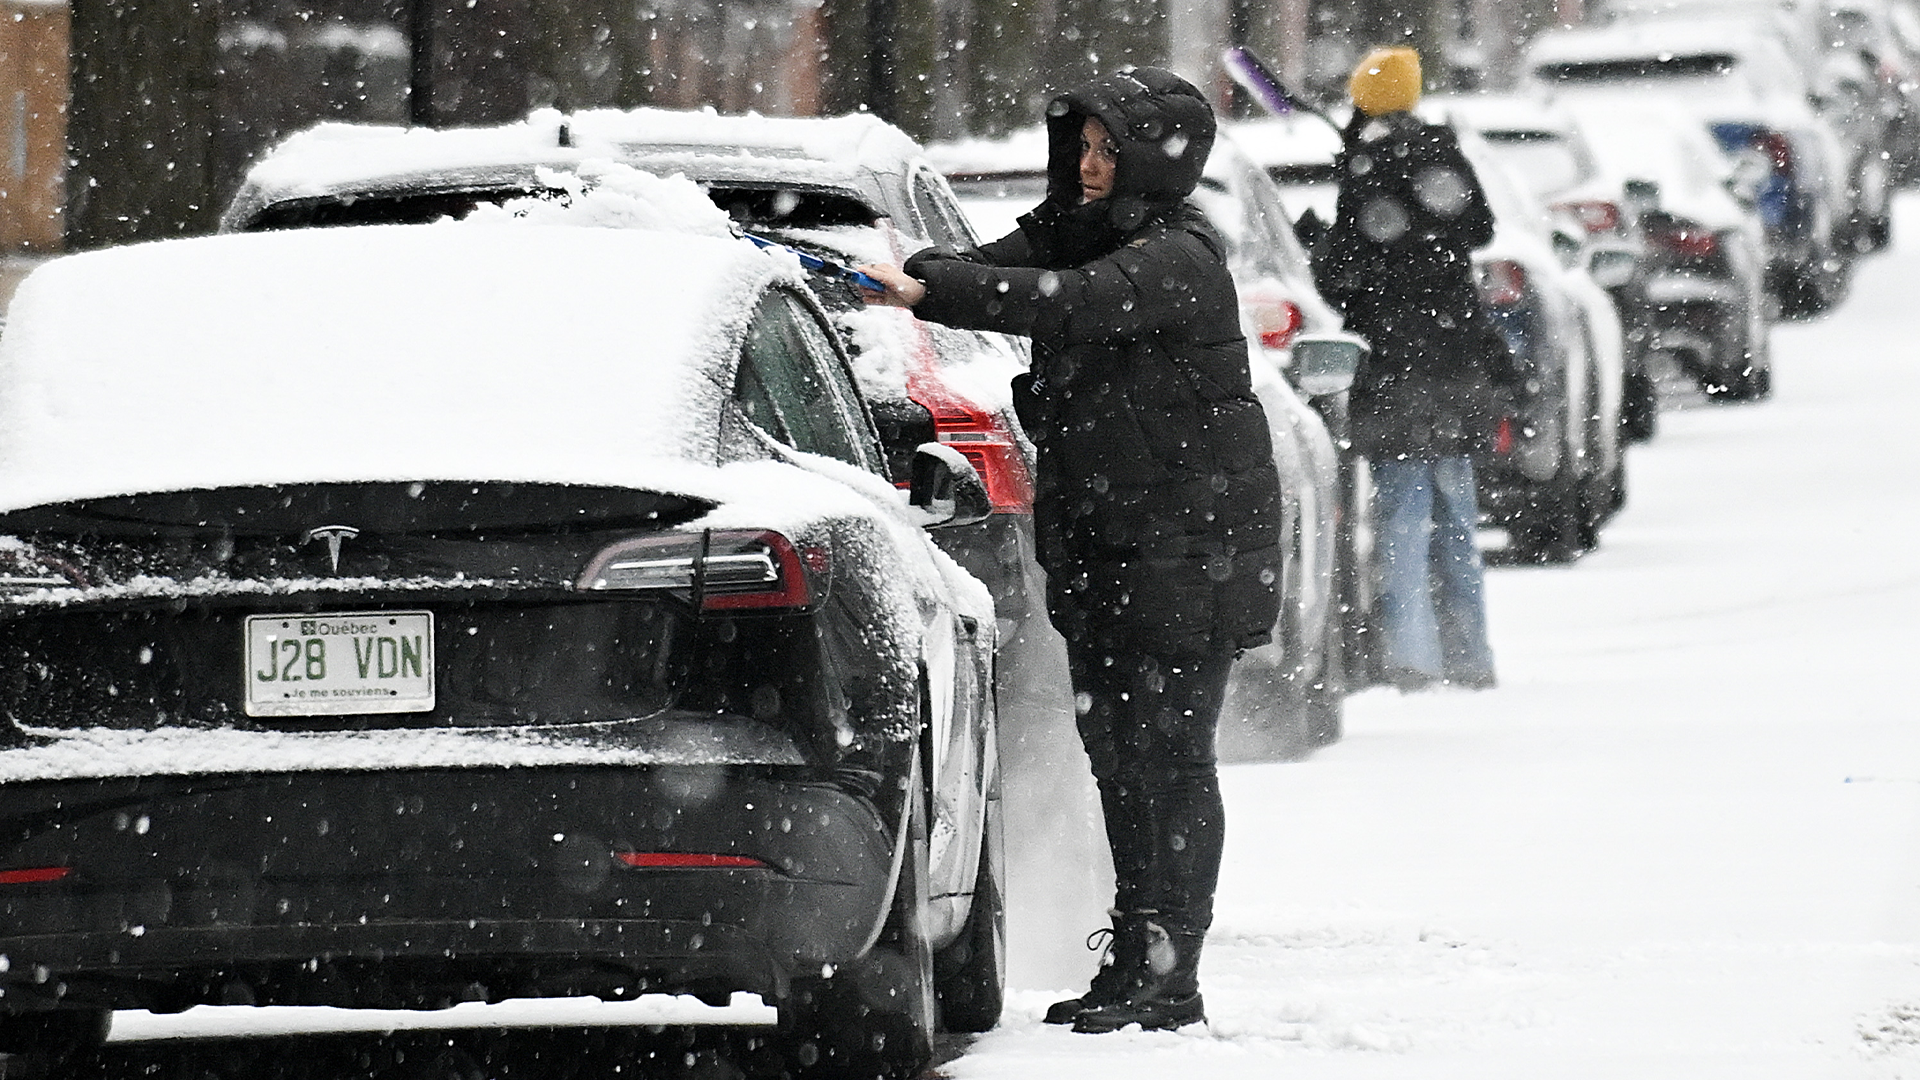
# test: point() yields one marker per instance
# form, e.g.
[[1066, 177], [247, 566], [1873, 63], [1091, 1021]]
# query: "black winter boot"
[[1126, 946], [1164, 992]]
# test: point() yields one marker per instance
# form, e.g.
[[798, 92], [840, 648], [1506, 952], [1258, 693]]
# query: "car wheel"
[[873, 1018], [1551, 527], [1753, 384], [1639, 406], [1321, 701], [970, 974], [1878, 232], [1807, 291], [1743, 371], [55, 1045]]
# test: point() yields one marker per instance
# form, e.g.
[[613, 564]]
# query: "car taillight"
[[1275, 320], [1686, 240], [981, 437], [687, 860], [720, 569], [1777, 147], [1503, 282], [35, 875], [1503, 436], [1595, 215]]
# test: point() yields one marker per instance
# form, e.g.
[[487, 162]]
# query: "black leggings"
[[1148, 724]]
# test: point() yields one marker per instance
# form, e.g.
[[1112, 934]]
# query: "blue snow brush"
[[1253, 75], [816, 263]]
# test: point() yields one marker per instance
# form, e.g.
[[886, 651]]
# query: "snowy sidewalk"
[[1681, 840]]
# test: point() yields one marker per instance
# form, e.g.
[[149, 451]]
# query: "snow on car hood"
[[453, 351]]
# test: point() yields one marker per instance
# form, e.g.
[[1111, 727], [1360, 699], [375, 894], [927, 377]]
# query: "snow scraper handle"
[[1254, 76], [815, 262]]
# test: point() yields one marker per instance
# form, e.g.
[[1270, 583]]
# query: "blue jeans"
[[1432, 605]]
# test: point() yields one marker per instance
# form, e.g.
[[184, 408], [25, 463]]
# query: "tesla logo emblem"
[[334, 535]]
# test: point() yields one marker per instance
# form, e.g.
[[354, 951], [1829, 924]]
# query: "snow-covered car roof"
[[857, 152], [1677, 47], [458, 351], [1647, 144], [1020, 159], [1540, 142], [1499, 112], [854, 153]]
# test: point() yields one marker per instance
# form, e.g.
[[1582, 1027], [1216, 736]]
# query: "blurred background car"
[[1289, 692], [1543, 150], [492, 651], [1702, 275], [1556, 470], [1562, 326], [1742, 87]]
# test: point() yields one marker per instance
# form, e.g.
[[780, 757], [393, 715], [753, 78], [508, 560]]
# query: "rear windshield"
[[391, 208], [1637, 68], [788, 206], [1546, 160]]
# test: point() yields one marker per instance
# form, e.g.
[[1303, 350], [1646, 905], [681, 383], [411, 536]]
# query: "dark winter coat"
[[1398, 262], [1157, 502]]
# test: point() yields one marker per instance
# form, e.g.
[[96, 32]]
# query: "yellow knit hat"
[[1387, 80]]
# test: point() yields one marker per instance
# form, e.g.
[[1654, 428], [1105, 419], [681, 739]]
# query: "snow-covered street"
[[1682, 839]]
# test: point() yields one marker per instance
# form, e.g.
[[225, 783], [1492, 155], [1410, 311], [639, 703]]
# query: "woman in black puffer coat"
[[1157, 505]]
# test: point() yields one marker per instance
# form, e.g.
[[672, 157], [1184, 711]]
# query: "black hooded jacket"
[[1398, 263], [1158, 504]]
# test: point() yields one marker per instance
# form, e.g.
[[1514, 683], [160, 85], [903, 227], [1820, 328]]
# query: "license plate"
[[333, 664]]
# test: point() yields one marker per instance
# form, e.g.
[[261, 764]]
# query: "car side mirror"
[[1325, 364], [1567, 247], [1611, 268], [1642, 195], [945, 490]]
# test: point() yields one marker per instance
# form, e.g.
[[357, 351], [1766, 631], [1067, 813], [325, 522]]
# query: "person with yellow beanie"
[[1387, 80], [1398, 262]]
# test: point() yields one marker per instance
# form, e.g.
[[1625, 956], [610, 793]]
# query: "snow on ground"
[[1683, 837]]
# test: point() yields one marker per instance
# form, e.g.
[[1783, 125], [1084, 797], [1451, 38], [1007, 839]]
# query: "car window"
[[1549, 161], [793, 385], [939, 215]]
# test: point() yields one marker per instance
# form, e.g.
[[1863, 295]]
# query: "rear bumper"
[[417, 889], [397, 965]]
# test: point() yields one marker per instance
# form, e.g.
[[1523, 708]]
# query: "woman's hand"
[[902, 291]]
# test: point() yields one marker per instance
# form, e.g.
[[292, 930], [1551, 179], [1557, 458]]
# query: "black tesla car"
[[404, 616]]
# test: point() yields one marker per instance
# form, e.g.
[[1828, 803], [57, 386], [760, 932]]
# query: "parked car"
[[850, 189], [1556, 471], [1293, 689], [1704, 268], [1741, 85], [1543, 149], [530, 615]]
